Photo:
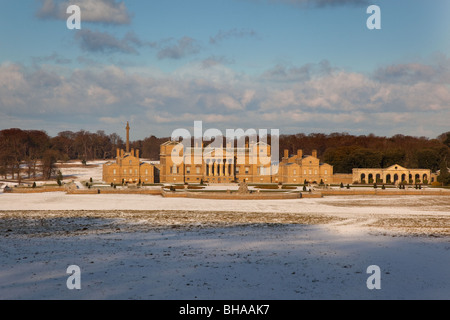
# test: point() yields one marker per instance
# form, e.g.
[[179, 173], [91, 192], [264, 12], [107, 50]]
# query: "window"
[[295, 171], [197, 170], [124, 171], [304, 171], [114, 172], [247, 169], [310, 171], [237, 169], [188, 169], [146, 171], [315, 172], [326, 171], [130, 162]]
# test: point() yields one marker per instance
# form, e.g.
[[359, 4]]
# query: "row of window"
[[130, 171], [310, 171], [260, 170]]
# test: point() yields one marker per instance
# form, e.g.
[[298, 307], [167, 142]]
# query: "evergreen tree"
[[444, 176]]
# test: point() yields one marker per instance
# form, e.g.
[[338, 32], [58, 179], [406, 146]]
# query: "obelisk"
[[128, 137]]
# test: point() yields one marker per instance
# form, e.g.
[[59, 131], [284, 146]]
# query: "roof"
[[169, 143]]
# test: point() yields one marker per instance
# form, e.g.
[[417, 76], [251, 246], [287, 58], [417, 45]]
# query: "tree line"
[[37, 152], [345, 151]]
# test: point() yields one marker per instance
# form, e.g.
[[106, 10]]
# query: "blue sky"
[[294, 65]]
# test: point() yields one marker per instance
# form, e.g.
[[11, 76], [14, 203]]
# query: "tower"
[[128, 137]]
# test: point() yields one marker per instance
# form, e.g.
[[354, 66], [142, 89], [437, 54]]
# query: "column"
[[226, 169]]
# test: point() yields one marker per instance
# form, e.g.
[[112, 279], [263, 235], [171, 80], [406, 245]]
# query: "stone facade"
[[252, 164], [300, 168], [230, 164], [128, 167], [395, 174]]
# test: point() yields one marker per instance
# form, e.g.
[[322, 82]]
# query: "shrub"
[[341, 185], [304, 188], [34, 184], [375, 186], [383, 187], [348, 186]]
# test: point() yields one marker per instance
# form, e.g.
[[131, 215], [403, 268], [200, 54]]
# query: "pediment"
[[396, 167]]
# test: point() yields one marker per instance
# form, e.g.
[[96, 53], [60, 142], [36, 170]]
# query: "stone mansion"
[[251, 163]]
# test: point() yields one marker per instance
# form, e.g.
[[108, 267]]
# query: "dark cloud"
[[183, 47], [214, 61], [283, 73], [103, 42], [54, 58], [407, 73], [101, 11], [233, 33]]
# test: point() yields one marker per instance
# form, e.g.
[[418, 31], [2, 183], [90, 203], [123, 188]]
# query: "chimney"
[[137, 153], [118, 153], [314, 153], [286, 153], [132, 152], [121, 153], [299, 153]]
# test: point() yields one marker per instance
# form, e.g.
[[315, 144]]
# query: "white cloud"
[[328, 101]]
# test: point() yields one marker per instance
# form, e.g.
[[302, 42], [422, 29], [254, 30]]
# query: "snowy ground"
[[149, 247]]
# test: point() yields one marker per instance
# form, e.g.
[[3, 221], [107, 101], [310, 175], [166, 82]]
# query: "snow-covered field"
[[149, 247]]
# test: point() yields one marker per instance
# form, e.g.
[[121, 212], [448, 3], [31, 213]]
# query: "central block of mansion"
[[251, 163]]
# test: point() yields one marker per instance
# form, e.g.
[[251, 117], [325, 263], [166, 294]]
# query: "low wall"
[[386, 192], [114, 191], [34, 190], [234, 195], [343, 177]]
